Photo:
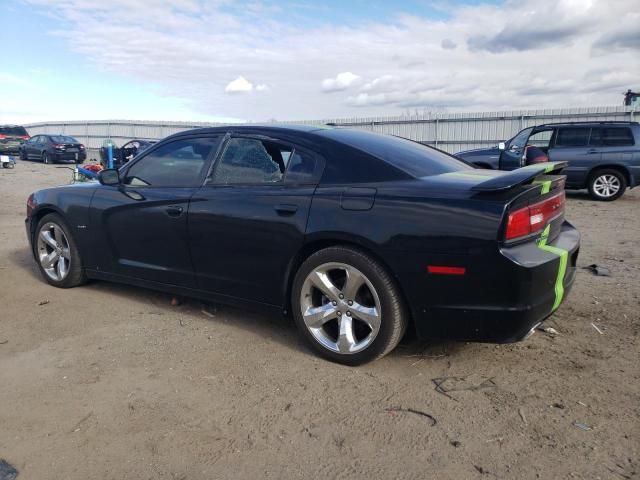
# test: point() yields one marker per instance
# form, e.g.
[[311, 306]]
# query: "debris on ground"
[[175, 301], [455, 443], [412, 410], [558, 405], [7, 471], [582, 426], [548, 330], [182, 324], [2, 342], [597, 329], [598, 270], [76, 427], [472, 382], [43, 302], [521, 412], [208, 314]]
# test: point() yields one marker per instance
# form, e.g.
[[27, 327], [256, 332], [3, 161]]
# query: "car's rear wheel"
[[607, 184], [347, 306], [45, 157], [57, 254], [23, 154]]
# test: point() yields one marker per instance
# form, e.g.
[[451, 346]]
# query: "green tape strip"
[[562, 269]]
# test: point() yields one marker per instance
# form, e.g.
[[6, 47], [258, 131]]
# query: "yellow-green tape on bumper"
[[562, 269]]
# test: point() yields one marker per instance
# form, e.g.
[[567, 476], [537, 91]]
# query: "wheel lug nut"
[[339, 314], [341, 296], [334, 303], [348, 313], [350, 302]]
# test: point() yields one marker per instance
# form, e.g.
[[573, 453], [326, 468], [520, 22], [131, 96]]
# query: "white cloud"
[[262, 88], [521, 54], [342, 81], [239, 85]]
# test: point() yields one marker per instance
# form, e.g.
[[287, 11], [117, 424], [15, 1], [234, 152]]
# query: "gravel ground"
[[110, 381]]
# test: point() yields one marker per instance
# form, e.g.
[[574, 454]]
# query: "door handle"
[[174, 210], [286, 209]]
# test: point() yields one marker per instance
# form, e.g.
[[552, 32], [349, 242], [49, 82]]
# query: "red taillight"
[[445, 270], [532, 219], [2, 136], [25, 137], [59, 146], [81, 147]]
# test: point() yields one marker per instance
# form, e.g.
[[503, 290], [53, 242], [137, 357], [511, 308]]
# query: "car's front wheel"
[[347, 306], [607, 184], [56, 253], [23, 154], [45, 157]]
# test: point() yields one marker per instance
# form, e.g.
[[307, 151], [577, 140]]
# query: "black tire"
[[75, 275], [45, 157], [393, 318], [596, 180], [23, 154]]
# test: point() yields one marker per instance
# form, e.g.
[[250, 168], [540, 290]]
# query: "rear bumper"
[[69, 157], [501, 298], [10, 149]]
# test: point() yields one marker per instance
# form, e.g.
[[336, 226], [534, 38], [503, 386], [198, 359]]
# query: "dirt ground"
[[111, 382]]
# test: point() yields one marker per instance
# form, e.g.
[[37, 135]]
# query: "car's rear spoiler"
[[519, 177]]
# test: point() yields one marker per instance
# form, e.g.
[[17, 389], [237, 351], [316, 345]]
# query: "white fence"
[[451, 132]]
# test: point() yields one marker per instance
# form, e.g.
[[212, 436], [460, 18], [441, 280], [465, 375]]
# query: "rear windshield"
[[19, 131], [411, 157], [63, 139]]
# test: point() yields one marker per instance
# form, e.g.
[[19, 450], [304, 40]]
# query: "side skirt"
[[185, 292]]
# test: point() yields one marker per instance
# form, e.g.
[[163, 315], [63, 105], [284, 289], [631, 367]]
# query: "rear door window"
[[596, 137], [573, 137], [617, 137], [252, 161]]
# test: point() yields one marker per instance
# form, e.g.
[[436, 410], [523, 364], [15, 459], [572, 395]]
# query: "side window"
[[177, 164], [596, 137], [252, 160], [519, 141], [573, 137], [540, 139], [617, 137]]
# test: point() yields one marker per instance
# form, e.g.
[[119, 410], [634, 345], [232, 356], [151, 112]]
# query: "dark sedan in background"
[[359, 235], [53, 148]]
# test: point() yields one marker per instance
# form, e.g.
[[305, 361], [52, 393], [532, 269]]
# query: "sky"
[[221, 60]]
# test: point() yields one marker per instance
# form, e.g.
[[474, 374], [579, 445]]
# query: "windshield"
[[63, 139], [412, 157], [18, 131]]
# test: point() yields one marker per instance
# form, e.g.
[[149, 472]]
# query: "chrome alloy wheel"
[[606, 186], [340, 308], [54, 254]]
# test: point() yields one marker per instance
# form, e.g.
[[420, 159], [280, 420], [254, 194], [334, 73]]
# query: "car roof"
[[587, 124]]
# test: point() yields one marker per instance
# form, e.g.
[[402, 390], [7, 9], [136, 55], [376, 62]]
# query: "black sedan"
[[53, 148], [360, 236]]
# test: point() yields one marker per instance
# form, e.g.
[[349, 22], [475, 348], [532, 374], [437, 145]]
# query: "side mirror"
[[501, 146], [109, 177]]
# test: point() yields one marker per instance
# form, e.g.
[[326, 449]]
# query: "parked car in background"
[[359, 235], [53, 148], [125, 153], [603, 157], [11, 138]]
